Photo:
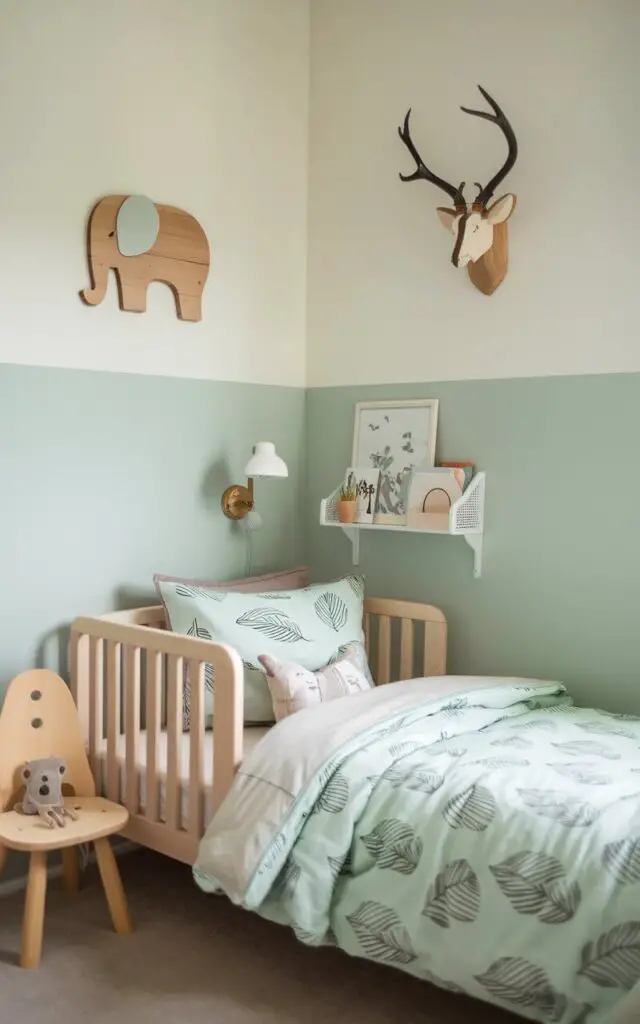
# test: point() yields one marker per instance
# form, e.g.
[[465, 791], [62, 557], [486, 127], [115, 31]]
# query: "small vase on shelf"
[[347, 504]]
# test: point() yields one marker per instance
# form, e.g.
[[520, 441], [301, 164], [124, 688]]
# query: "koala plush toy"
[[43, 793]]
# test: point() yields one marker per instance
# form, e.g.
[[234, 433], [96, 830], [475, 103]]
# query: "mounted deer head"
[[481, 231]]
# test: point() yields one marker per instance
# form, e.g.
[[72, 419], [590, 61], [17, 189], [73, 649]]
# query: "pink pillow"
[[293, 687], [289, 579]]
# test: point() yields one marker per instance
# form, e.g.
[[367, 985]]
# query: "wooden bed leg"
[[33, 921], [113, 890], [70, 872]]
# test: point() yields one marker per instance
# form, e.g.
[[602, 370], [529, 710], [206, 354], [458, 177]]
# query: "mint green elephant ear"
[[137, 225]]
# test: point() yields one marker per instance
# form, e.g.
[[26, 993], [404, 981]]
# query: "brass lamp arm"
[[237, 500]]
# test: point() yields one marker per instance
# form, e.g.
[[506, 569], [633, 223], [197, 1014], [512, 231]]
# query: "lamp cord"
[[249, 541]]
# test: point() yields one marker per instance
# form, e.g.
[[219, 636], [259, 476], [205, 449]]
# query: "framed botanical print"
[[397, 438]]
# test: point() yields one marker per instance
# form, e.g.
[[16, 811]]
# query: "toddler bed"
[[482, 834], [127, 677]]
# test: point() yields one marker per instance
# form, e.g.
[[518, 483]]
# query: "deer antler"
[[498, 118], [422, 171]]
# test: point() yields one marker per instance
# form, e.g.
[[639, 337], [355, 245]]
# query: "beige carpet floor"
[[196, 959]]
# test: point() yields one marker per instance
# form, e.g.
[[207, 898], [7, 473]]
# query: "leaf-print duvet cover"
[[486, 839]]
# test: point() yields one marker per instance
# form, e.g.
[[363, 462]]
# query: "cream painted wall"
[[198, 103], [384, 302]]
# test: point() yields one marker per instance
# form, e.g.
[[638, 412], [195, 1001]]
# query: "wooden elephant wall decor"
[[143, 241], [480, 231]]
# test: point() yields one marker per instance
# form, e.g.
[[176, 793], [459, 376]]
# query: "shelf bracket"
[[474, 540], [354, 537]]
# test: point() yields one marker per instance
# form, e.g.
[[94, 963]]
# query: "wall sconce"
[[237, 500]]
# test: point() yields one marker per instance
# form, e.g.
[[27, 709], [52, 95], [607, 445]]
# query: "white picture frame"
[[398, 438]]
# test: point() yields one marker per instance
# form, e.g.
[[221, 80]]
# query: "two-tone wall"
[[538, 383], [119, 432]]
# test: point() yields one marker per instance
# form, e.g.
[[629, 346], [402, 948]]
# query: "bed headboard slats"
[[396, 648]]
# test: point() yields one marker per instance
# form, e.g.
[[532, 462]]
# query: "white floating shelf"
[[466, 519]]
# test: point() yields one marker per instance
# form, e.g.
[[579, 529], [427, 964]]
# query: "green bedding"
[[483, 835]]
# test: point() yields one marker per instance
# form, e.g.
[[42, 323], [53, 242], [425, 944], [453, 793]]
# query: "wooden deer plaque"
[[480, 231]]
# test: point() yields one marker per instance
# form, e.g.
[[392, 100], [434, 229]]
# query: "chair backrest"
[[39, 719]]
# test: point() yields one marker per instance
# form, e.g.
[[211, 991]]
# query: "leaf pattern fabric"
[[413, 776], [512, 979], [187, 590], [273, 623], [515, 742], [357, 585], [302, 935], [622, 860], [394, 845], [381, 933], [560, 806], [454, 895], [535, 883], [288, 879], [335, 795], [332, 610], [199, 631], [543, 725], [473, 808], [613, 961], [589, 747], [454, 708], [584, 772], [606, 729], [336, 865], [435, 843], [401, 749], [502, 762], [444, 747]]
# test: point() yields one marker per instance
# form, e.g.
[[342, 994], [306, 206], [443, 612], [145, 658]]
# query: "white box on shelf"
[[432, 494]]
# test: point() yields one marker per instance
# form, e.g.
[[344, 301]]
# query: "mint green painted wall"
[[560, 592], [107, 478]]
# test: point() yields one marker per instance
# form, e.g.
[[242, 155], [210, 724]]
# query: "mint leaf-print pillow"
[[311, 627]]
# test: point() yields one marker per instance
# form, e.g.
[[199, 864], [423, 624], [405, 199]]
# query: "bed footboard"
[[128, 679]]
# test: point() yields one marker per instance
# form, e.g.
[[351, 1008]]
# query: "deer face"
[[474, 231], [473, 228]]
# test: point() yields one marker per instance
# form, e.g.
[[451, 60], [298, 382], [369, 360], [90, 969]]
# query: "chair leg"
[[70, 872], [33, 921], [112, 884], [3, 857]]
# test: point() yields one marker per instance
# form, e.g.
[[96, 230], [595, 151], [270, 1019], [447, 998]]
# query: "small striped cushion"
[[294, 688]]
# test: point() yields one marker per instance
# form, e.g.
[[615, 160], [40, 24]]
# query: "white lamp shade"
[[265, 461]]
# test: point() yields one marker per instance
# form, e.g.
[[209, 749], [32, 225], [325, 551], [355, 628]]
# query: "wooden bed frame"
[[127, 675]]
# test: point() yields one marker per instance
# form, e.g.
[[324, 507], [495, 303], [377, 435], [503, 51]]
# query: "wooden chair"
[[39, 719]]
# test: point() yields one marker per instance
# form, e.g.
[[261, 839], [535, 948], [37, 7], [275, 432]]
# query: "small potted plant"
[[348, 501]]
